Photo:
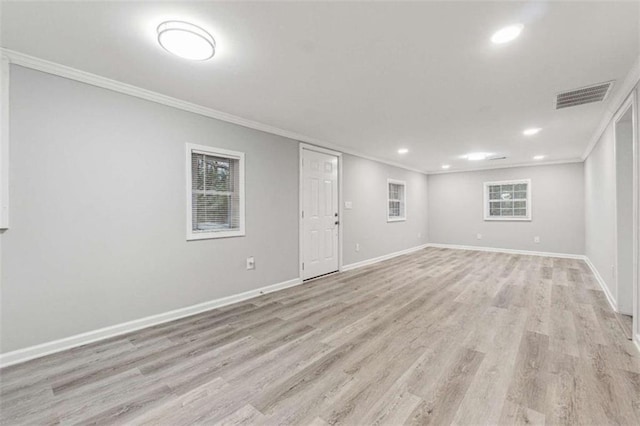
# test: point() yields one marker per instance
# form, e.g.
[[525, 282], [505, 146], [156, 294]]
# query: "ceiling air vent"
[[497, 158], [584, 95]]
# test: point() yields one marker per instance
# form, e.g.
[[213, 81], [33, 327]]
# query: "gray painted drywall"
[[365, 186], [600, 213], [624, 195], [98, 211], [456, 210], [600, 209]]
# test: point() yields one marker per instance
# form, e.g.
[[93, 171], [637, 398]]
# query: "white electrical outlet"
[[536, 239], [357, 247], [419, 234], [348, 205], [479, 236], [251, 263]]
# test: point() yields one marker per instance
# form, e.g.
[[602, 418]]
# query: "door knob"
[[337, 222]]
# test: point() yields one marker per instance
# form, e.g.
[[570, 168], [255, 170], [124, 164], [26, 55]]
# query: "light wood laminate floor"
[[435, 337]]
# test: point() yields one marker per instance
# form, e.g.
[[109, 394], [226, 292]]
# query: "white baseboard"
[[636, 341], [510, 251], [381, 258], [603, 285], [22, 355]]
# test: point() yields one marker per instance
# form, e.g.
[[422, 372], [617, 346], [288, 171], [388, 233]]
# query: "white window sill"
[[396, 219], [508, 219], [214, 235]]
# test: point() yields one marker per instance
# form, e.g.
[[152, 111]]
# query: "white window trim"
[[208, 150], [526, 218], [4, 142], [404, 184]]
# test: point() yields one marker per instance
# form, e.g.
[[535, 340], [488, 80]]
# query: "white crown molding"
[[60, 70], [509, 166], [48, 348], [624, 90]]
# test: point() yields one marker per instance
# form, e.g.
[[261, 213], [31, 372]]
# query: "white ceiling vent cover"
[[584, 95]]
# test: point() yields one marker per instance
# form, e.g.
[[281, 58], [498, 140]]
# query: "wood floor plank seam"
[[437, 336]]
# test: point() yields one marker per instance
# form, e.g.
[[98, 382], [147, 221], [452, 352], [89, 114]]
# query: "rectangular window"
[[396, 200], [215, 196], [507, 200]]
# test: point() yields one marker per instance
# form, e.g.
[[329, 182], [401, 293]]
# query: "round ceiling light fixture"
[[507, 34], [186, 40], [532, 131], [477, 156]]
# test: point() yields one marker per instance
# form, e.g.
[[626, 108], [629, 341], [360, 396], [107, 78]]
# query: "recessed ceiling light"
[[532, 131], [538, 157], [446, 166], [403, 151], [186, 40], [477, 156], [507, 34]]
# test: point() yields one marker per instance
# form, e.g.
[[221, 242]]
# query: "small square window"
[[215, 193], [510, 200]]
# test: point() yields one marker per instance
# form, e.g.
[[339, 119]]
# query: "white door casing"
[[320, 213]]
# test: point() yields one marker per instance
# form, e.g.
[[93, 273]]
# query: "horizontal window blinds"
[[215, 196]]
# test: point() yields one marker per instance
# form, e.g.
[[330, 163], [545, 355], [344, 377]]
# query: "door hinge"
[[303, 266], [303, 214]]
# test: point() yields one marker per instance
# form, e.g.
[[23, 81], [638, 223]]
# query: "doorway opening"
[[320, 213], [625, 227]]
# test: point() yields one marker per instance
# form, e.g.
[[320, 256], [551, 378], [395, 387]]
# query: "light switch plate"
[[348, 205]]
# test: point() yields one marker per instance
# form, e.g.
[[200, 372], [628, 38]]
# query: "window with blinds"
[[507, 200], [216, 193], [396, 200]]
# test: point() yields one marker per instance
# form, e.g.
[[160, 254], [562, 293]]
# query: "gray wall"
[[365, 186], [600, 213], [624, 194], [98, 213], [600, 208], [456, 210], [98, 216]]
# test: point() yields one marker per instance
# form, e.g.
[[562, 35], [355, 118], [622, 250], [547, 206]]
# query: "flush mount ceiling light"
[[532, 131], [538, 157], [507, 34], [186, 40], [403, 151], [446, 166], [477, 156]]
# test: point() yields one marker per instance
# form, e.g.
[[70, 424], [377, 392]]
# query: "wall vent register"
[[584, 95]]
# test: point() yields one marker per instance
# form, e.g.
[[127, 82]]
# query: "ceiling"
[[370, 77]]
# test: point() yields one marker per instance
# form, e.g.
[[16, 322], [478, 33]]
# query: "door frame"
[[309, 147], [629, 104]]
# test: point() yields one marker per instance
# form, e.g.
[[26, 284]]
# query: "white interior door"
[[320, 219]]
